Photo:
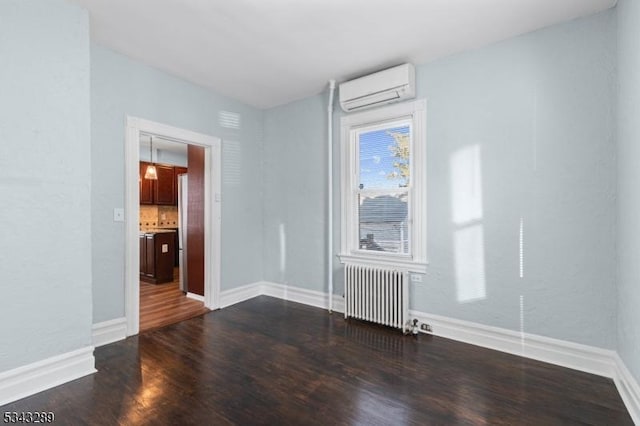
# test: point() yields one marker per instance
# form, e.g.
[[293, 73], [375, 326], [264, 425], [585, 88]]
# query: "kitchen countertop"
[[156, 231]]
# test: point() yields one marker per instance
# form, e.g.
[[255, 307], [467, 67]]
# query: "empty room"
[[339, 212]]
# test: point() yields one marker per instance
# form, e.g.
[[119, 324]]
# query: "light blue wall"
[[540, 108], [121, 87], [295, 174], [45, 181], [629, 184]]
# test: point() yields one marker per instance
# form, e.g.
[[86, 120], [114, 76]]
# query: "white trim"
[[554, 351], [314, 298], [399, 264], [628, 388], [240, 294], [109, 331], [559, 352], [579, 357], [212, 212], [42, 375], [385, 113], [349, 238], [195, 297]]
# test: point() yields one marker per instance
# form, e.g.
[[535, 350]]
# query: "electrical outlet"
[[416, 278], [425, 327]]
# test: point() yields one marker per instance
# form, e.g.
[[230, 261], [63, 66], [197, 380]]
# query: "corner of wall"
[[263, 239]]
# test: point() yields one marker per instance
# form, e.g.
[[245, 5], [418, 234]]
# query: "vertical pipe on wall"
[[332, 87]]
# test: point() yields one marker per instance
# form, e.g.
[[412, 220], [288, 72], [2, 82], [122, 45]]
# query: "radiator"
[[376, 295]]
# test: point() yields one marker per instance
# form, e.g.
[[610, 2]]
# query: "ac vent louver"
[[381, 88]]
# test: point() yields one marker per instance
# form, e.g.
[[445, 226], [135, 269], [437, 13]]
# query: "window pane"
[[383, 223], [384, 158]]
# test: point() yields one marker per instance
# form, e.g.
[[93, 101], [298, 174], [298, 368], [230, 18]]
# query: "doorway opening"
[[171, 234], [172, 224]]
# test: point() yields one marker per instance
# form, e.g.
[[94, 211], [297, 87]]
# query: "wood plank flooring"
[[267, 361], [164, 304]]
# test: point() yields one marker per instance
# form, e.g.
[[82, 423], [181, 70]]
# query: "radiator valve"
[[414, 327]]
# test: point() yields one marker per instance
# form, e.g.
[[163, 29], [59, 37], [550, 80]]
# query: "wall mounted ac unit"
[[384, 87]]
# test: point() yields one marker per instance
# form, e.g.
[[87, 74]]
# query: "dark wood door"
[[195, 220], [146, 185], [165, 188]]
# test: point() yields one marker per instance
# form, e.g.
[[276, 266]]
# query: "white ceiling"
[[271, 52]]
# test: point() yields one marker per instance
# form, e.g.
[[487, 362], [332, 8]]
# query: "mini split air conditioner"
[[384, 87]]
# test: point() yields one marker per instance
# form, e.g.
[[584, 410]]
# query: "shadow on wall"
[[468, 236]]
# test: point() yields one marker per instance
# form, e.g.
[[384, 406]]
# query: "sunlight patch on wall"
[[521, 241], [469, 264], [466, 185], [468, 239]]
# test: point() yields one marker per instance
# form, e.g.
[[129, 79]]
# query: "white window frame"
[[350, 252]]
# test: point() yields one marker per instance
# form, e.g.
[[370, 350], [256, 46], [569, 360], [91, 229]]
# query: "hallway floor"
[[164, 304]]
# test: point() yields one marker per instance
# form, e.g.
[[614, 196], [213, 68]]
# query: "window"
[[383, 187]]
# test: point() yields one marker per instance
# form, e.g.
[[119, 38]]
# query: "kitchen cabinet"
[[157, 254], [164, 190], [146, 185]]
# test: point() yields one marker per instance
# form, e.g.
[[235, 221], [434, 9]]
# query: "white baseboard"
[[47, 373], [240, 294], [195, 297], [628, 388], [576, 356], [559, 352], [294, 294], [302, 295], [109, 331]]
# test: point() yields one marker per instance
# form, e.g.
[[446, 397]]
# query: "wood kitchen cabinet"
[[146, 185], [157, 253], [164, 190]]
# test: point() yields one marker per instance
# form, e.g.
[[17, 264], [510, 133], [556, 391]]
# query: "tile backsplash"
[[152, 216]]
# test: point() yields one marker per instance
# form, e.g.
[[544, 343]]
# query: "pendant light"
[[151, 172]]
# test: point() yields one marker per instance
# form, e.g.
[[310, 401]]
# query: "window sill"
[[399, 263]]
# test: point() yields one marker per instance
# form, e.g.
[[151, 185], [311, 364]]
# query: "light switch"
[[118, 214], [165, 248]]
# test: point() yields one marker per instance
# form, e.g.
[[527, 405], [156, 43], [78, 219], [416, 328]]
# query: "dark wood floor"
[[164, 304], [266, 361]]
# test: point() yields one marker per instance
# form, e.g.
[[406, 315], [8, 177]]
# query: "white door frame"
[[212, 212]]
